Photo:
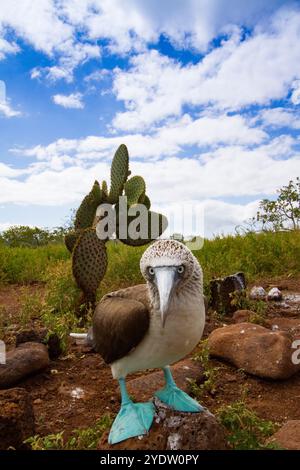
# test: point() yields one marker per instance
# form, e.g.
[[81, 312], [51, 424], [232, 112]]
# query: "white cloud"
[[68, 30], [257, 70], [7, 111], [74, 100], [295, 97], [168, 140], [280, 117]]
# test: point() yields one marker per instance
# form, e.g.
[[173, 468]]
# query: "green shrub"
[[246, 429], [86, 438]]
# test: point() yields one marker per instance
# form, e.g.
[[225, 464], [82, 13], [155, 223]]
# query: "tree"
[[22, 235], [284, 212]]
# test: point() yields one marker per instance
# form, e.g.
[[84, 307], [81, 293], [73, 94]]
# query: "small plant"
[[86, 438], [31, 307], [246, 429], [240, 300], [210, 373]]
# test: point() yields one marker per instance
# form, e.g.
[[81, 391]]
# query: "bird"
[[149, 326]]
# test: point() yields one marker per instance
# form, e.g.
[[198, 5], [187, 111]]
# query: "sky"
[[204, 93]]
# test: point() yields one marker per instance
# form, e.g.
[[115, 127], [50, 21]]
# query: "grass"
[[80, 439], [246, 431], [264, 254], [26, 265]]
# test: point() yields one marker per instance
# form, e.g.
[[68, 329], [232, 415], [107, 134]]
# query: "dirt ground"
[[78, 389]]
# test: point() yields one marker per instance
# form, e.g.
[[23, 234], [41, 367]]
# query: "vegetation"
[[209, 372], [246, 430], [257, 254], [22, 236], [88, 248], [241, 302], [80, 439], [282, 213]]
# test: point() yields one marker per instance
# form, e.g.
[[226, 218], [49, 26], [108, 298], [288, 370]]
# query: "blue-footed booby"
[[150, 326]]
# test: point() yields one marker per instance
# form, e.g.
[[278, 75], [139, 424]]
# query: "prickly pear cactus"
[[89, 258], [89, 261], [87, 209], [135, 189], [119, 173]]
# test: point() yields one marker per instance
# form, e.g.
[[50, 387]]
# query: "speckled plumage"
[[157, 346]]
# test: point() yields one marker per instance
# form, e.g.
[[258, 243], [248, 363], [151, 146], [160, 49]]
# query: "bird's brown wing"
[[120, 322]]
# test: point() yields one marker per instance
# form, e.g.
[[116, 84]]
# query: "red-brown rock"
[[254, 349], [16, 418], [172, 430], [241, 316], [21, 362]]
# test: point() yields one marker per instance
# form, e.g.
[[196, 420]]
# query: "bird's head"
[[168, 266]]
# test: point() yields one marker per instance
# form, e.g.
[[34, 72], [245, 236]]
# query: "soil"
[[78, 388]]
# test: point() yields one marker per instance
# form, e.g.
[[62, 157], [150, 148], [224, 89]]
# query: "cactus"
[[119, 173], [71, 238], [86, 212], [135, 188], [89, 262], [89, 258], [162, 225]]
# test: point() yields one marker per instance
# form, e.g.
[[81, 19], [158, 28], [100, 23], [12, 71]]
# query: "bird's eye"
[[151, 271], [180, 269]]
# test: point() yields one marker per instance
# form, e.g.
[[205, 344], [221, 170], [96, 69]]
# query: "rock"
[[241, 316], [221, 290], [291, 325], [21, 362], [143, 388], [51, 340], [16, 418], [287, 437], [257, 293], [173, 430], [254, 349], [274, 294]]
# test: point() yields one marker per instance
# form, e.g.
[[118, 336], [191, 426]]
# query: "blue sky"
[[206, 95]]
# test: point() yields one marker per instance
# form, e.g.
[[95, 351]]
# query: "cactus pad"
[[71, 238], [135, 189], [89, 261], [162, 225], [119, 173], [87, 209]]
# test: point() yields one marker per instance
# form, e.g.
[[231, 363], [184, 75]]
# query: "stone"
[[142, 388], [274, 294], [241, 316], [42, 335], [26, 359], [255, 349], [287, 437], [173, 430], [16, 419], [221, 291], [258, 293]]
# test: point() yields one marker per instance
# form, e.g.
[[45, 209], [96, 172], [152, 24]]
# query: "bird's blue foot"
[[175, 398], [133, 419]]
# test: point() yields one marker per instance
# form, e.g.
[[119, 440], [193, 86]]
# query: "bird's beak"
[[165, 281]]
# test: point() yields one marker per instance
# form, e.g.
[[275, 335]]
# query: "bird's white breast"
[[163, 346]]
